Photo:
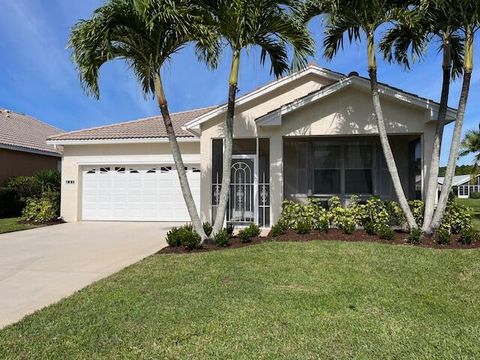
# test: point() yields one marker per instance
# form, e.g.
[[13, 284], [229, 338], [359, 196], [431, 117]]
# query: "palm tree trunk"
[[228, 144], [457, 132], [177, 158], [382, 132], [432, 185]]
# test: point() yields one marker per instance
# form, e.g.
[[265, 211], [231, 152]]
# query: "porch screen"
[[325, 167]]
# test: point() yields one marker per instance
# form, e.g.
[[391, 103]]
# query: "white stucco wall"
[[75, 157]]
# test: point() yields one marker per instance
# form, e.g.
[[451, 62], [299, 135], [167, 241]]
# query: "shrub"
[[348, 225], [415, 236], [468, 236], [222, 238], [184, 236], [173, 238], [304, 227], [50, 180], [244, 235], [386, 233], [376, 213], [25, 186], [457, 217], [443, 235], [230, 228], [189, 239], [208, 228], [475, 195], [418, 209], [10, 204], [278, 229], [369, 228], [253, 230], [40, 210]]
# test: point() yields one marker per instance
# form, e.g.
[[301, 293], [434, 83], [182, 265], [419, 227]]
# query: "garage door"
[[136, 193]]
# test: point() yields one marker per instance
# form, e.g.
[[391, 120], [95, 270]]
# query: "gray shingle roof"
[[151, 127], [25, 133]]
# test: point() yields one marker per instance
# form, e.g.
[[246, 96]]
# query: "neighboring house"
[[23, 147], [310, 134], [463, 185]]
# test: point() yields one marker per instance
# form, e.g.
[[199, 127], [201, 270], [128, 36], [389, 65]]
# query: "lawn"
[[305, 300], [12, 224], [475, 205]]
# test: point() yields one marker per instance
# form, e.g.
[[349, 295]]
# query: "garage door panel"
[[136, 193]]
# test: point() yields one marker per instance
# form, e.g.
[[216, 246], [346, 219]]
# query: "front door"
[[242, 200]]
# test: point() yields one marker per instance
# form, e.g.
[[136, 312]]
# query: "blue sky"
[[38, 78]]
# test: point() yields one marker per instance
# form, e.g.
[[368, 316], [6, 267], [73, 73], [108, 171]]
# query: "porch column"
[[276, 177]]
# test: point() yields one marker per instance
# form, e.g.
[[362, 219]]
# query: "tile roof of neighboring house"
[[25, 133], [151, 127]]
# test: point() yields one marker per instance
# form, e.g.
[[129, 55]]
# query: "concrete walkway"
[[41, 266]]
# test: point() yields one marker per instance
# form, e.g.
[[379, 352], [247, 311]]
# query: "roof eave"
[[149, 140], [30, 150]]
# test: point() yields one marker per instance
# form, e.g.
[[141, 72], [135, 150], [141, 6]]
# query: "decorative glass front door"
[[242, 200]]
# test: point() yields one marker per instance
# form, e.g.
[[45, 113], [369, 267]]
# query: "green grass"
[[271, 301], [12, 224], [475, 205]]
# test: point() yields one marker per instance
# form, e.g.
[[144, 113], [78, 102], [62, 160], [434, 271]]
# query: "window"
[[327, 169]]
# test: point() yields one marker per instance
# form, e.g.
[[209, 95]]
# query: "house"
[[463, 185], [23, 147], [309, 134]]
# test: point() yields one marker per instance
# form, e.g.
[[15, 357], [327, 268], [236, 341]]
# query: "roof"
[[457, 179], [147, 128], [21, 132], [338, 78]]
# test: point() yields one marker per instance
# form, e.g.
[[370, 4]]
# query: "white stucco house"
[[309, 134]]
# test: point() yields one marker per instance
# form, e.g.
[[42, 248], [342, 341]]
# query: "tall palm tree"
[[414, 29], [145, 34], [468, 14], [240, 26], [471, 145], [356, 18]]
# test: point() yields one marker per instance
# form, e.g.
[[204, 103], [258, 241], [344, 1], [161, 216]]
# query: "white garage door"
[[136, 193]]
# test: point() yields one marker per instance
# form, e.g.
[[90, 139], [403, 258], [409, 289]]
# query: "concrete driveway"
[[41, 266]]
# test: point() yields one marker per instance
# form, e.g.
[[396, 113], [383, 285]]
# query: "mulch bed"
[[333, 235], [54, 222]]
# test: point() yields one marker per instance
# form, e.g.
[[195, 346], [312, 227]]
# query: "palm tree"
[[145, 34], [240, 26], [356, 18], [415, 28], [468, 14], [471, 145]]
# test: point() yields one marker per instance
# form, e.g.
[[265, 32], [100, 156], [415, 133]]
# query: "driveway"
[[41, 266]]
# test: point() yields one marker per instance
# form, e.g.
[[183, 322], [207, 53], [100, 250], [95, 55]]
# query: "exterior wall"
[[15, 163], [76, 157], [347, 112]]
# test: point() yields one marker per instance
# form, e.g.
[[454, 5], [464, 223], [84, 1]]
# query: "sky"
[[38, 78]]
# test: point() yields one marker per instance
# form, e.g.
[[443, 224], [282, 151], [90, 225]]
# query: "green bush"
[[10, 204], [50, 180], [475, 195], [253, 230], [375, 212], [418, 209], [443, 236], [468, 236], [222, 238], [230, 228], [369, 228], [40, 210], [208, 228], [184, 236], [278, 229], [26, 187], [304, 227], [173, 238], [244, 236], [415, 236], [386, 233], [457, 217]]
